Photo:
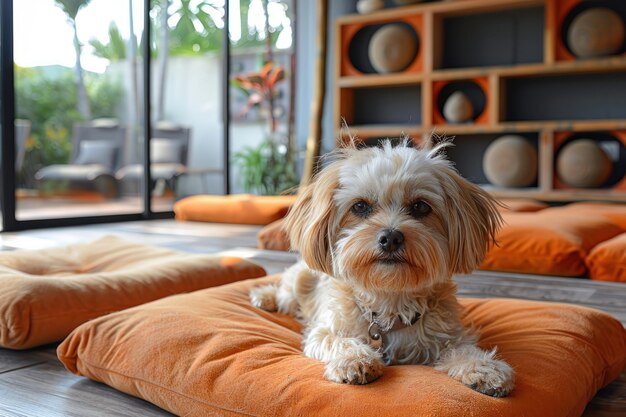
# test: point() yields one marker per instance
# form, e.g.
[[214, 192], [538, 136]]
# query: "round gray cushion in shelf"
[[583, 164], [369, 6], [392, 48], [595, 32], [458, 108], [510, 161]]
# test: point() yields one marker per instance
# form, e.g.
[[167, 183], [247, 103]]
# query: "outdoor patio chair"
[[96, 155], [169, 149]]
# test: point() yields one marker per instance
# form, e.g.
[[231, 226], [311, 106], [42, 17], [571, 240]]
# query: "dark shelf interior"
[[566, 97], [489, 39], [388, 105]]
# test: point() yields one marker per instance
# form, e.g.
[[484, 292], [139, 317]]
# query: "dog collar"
[[377, 333]]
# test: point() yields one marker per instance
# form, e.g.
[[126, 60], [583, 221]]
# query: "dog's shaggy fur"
[[381, 231]]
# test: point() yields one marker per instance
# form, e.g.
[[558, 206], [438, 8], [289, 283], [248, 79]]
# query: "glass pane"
[[187, 137], [261, 113], [78, 126]]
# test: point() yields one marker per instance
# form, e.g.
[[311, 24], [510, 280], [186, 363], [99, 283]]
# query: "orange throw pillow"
[[274, 237], [234, 208], [212, 353], [45, 294], [614, 212], [547, 242], [607, 261]]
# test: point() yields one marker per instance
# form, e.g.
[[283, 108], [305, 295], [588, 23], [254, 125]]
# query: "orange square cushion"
[[522, 205], [212, 353], [273, 237], [234, 208], [547, 242], [607, 261], [45, 294], [614, 212]]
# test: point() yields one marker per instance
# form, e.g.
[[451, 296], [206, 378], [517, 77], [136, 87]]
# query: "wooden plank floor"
[[33, 383]]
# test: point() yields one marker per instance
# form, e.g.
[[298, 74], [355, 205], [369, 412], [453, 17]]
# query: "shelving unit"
[[517, 68]]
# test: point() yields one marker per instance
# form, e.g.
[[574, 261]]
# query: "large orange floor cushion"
[[45, 294], [234, 208], [211, 353], [615, 212], [607, 261], [548, 242]]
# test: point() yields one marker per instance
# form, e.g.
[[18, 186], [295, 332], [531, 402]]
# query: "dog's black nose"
[[390, 240]]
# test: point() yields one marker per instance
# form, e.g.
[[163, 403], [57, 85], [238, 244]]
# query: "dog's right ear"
[[310, 221]]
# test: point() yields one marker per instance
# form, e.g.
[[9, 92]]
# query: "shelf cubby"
[[509, 37], [477, 90], [355, 39], [566, 97], [562, 14], [467, 156], [614, 145]]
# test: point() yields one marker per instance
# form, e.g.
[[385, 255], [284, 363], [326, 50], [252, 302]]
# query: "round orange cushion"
[[211, 353]]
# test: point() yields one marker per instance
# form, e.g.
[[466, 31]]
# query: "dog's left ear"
[[472, 221]]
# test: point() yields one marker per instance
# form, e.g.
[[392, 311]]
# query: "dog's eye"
[[420, 209], [361, 208]]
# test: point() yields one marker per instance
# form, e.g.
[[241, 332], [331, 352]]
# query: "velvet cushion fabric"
[[607, 261], [548, 242], [45, 294], [211, 353], [234, 208]]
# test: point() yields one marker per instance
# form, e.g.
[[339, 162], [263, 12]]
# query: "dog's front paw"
[[355, 370], [495, 378], [479, 370], [264, 297]]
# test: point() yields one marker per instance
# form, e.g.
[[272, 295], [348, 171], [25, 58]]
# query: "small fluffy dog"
[[381, 231]]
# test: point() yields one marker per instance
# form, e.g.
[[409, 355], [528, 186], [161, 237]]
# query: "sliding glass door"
[[111, 110], [187, 138], [261, 79], [78, 106]]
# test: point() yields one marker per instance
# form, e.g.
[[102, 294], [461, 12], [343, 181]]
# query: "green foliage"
[[71, 7], [105, 96], [196, 30], [266, 169], [50, 104], [115, 49]]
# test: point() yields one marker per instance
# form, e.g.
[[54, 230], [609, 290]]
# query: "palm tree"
[[197, 29], [115, 49], [71, 9]]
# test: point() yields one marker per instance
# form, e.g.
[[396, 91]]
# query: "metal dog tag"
[[376, 336]]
